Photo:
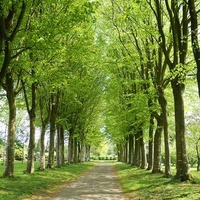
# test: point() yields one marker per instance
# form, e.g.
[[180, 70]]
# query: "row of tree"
[[80, 66], [49, 67], [151, 49]]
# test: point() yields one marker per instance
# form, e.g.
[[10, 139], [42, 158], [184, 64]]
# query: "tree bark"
[[54, 108], [75, 146], [136, 160], [163, 104], [62, 147], [131, 148], [52, 137], [157, 167], [182, 165], [150, 154], [58, 164], [32, 116], [42, 147], [70, 146], [45, 121], [87, 153], [9, 167], [143, 151]]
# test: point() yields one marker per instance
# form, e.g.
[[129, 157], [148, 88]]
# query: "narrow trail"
[[99, 183]]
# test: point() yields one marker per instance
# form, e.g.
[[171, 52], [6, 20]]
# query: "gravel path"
[[99, 183]]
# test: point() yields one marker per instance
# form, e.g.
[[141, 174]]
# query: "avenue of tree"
[[77, 67]]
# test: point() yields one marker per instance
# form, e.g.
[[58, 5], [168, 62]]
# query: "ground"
[[100, 183]]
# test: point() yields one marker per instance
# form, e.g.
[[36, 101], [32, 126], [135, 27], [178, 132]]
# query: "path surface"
[[101, 183]]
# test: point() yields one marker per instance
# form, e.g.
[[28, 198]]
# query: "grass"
[[138, 184], [141, 184], [24, 185]]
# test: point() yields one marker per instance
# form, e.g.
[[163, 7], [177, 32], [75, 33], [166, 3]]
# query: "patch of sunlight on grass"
[[142, 184], [26, 184]]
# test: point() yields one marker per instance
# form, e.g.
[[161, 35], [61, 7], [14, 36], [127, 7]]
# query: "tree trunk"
[[32, 116], [42, 147], [82, 152], [163, 104], [31, 148], [143, 151], [58, 147], [157, 167], [182, 165], [45, 121], [150, 154], [126, 151], [70, 146], [62, 147], [75, 146], [87, 153], [136, 160], [54, 108], [52, 137], [10, 157], [198, 156], [131, 148]]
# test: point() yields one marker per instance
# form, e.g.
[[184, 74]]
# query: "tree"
[[178, 14], [194, 36], [11, 92], [11, 17]]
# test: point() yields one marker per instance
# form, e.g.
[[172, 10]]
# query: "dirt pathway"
[[100, 183]]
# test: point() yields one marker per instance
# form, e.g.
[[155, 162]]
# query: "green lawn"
[[138, 184], [143, 185], [23, 185]]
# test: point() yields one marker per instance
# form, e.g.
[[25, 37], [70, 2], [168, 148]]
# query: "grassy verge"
[[23, 185], [142, 184]]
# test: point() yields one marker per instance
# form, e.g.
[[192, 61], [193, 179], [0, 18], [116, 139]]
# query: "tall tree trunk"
[[9, 167], [54, 108], [32, 117], [70, 146], [126, 150], [163, 104], [182, 165], [82, 152], [136, 161], [52, 137], [45, 121], [143, 151], [150, 154], [58, 164], [42, 147], [131, 148], [87, 153], [157, 168], [62, 147], [75, 156]]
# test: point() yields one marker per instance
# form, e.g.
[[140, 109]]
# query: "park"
[[99, 90]]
